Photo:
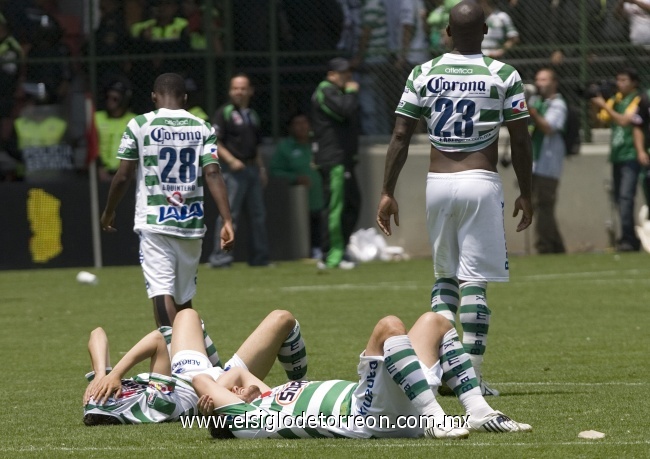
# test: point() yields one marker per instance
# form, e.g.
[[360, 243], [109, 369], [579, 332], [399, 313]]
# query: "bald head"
[[467, 26]]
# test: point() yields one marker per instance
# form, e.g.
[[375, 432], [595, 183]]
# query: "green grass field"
[[567, 347]]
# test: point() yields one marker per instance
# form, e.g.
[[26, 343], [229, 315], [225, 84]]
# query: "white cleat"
[[498, 422], [446, 432]]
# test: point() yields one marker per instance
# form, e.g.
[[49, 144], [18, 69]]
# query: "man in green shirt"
[[618, 112], [293, 161]]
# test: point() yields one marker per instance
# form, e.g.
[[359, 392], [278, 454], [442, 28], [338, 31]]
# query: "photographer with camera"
[[619, 112], [548, 115]]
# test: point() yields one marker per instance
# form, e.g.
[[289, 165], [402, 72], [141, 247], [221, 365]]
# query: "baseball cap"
[[338, 64]]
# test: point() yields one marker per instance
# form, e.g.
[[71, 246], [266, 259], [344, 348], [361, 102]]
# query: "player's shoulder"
[[505, 72]]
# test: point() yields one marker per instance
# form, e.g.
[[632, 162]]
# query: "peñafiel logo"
[[180, 213]]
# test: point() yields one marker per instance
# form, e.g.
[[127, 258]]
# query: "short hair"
[[242, 75], [96, 419], [295, 115], [551, 71], [170, 83], [630, 72]]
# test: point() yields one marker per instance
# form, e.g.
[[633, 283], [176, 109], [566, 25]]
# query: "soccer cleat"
[[498, 422], [347, 265], [487, 390], [446, 432]]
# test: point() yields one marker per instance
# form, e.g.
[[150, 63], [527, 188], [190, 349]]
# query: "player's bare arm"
[[522, 163], [152, 346], [395, 160], [119, 185], [217, 187]]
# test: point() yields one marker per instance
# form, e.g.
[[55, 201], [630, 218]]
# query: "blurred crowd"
[[45, 47]]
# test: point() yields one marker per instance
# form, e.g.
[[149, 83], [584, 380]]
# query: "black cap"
[[338, 64]]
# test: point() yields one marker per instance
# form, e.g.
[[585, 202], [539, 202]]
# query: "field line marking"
[[569, 383], [379, 286]]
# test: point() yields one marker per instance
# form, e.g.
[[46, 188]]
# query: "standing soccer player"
[[465, 97], [175, 154]]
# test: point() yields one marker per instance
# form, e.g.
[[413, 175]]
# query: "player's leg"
[[438, 347], [165, 309], [445, 297], [483, 258], [100, 358], [389, 339], [277, 335]]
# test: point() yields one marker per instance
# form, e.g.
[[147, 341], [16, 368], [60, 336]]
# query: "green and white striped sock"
[[293, 355], [210, 348], [445, 298], [459, 375], [404, 367], [475, 320]]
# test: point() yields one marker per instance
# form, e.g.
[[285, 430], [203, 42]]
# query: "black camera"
[[604, 88]]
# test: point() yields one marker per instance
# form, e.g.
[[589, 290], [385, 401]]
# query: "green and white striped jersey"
[[172, 147], [464, 98], [285, 411], [148, 398]]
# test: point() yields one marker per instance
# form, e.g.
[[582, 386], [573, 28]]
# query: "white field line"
[[569, 383], [585, 276], [335, 444]]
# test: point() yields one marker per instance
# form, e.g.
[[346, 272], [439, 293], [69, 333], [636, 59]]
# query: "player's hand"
[[227, 236], [352, 86], [526, 207], [105, 387], [205, 405], [387, 207], [106, 222]]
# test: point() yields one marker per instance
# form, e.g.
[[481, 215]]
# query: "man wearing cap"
[[334, 118]]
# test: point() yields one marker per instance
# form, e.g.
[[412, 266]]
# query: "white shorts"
[[377, 394], [187, 364], [466, 229], [169, 265]]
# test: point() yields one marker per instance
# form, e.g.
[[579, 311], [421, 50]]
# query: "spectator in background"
[[111, 39], [193, 11], [619, 112], [548, 114], [47, 45], [163, 33], [376, 71], [11, 55], [351, 28], [334, 117], [413, 44], [111, 123], [638, 13], [239, 137], [293, 161], [501, 35]]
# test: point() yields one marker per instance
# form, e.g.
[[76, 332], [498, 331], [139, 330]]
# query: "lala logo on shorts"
[[290, 392], [180, 213]]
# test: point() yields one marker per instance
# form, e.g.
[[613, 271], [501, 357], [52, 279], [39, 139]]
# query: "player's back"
[[172, 147], [464, 98], [298, 409]]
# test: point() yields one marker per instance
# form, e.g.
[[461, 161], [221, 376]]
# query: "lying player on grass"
[[165, 393], [398, 375]]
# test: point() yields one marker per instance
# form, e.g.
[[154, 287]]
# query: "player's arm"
[[152, 346], [217, 187], [119, 185], [99, 359], [395, 159], [522, 163], [641, 4]]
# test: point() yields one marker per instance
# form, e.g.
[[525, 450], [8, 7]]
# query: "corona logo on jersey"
[[439, 84], [290, 392], [180, 213], [161, 134]]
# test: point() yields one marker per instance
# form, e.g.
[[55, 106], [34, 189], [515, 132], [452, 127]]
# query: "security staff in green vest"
[[110, 125]]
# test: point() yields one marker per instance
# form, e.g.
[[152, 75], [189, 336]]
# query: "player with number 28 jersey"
[[172, 147]]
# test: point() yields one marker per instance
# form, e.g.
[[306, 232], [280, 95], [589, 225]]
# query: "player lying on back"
[[398, 376], [165, 393]]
